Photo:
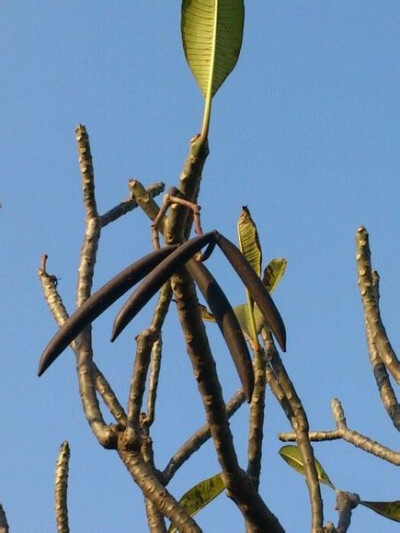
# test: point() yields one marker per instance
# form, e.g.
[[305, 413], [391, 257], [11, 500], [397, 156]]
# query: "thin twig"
[[351, 436], [145, 341], [201, 436], [157, 322], [155, 367], [128, 205], [60, 314]]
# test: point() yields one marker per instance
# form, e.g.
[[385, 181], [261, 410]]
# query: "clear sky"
[[306, 132]]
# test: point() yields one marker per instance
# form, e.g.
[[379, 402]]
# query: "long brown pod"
[[255, 288], [156, 279], [227, 322], [98, 303]]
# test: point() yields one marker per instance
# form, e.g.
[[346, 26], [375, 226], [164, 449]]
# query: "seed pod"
[[227, 322], [98, 303], [255, 287], [156, 279]]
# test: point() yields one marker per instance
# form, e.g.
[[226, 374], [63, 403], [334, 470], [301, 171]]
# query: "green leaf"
[[389, 510], [249, 245], [200, 495], [243, 315], [273, 273], [249, 242], [292, 456], [212, 33]]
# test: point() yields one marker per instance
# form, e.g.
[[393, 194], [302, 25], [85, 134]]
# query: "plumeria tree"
[[175, 269]]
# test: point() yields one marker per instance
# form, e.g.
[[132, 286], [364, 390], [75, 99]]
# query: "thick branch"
[[239, 486], [189, 185], [257, 412], [151, 487]]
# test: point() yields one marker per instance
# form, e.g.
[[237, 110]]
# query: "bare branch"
[[345, 503], [146, 202], [239, 486], [145, 343], [386, 392], [315, 436], [60, 314], [86, 167], [155, 520], [257, 413], [84, 352], [128, 205], [180, 218], [349, 435], [160, 313], [359, 440], [371, 306], [299, 422], [61, 488], [155, 367], [201, 436], [108, 396], [153, 490]]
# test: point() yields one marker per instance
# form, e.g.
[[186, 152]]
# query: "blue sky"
[[305, 132]]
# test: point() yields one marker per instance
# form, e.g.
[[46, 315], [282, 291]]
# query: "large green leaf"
[[292, 456], [200, 495], [389, 510], [212, 32]]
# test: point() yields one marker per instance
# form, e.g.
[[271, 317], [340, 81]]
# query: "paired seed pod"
[[98, 302], [156, 268]]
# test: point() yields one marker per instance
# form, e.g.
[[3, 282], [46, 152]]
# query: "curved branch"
[[351, 436], [370, 303]]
